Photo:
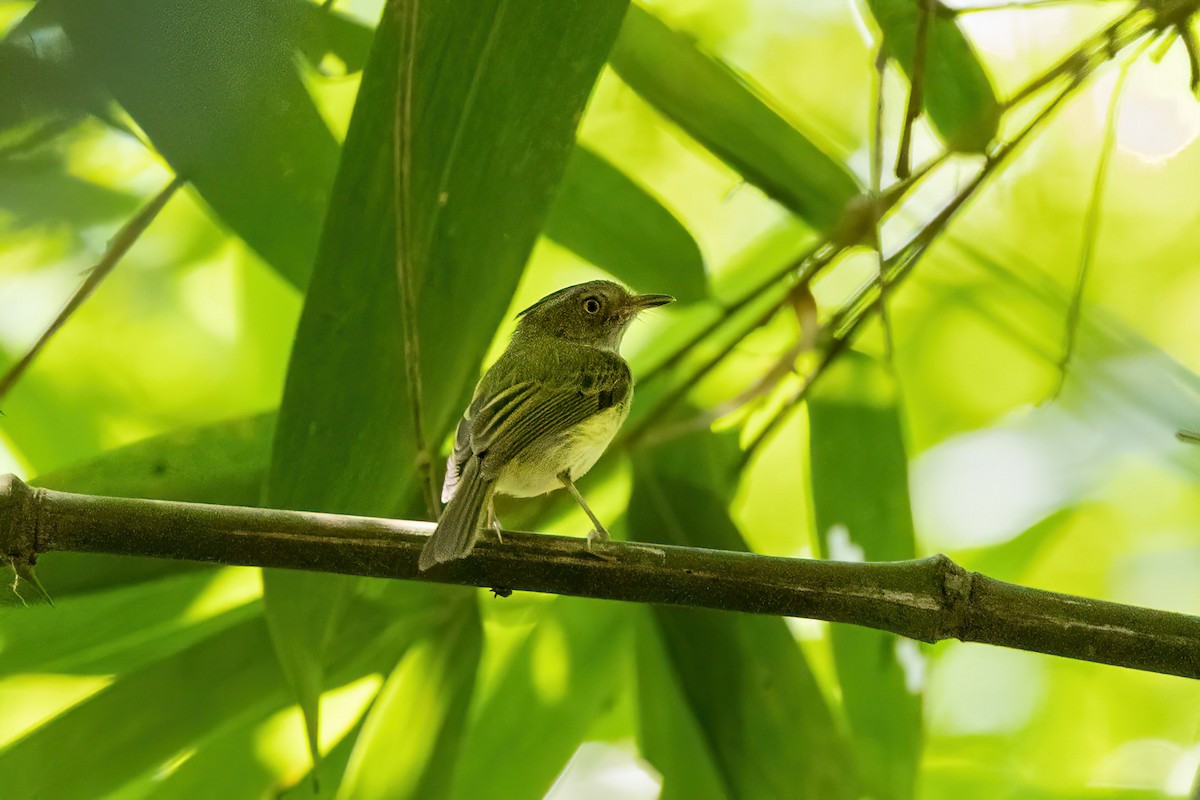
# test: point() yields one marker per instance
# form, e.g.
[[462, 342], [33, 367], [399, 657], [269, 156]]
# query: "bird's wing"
[[541, 398]]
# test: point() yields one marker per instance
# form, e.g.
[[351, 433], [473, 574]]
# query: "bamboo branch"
[[930, 599], [916, 91], [1091, 225]]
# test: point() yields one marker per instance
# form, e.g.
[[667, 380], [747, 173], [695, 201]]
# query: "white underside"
[[576, 450]]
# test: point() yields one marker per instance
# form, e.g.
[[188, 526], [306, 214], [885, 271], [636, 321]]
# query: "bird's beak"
[[640, 302]]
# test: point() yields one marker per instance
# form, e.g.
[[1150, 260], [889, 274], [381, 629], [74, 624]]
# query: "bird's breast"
[[576, 450]]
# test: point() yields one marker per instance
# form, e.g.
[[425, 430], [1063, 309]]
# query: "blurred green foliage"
[[251, 346]]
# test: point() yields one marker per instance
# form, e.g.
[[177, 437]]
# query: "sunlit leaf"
[[860, 497], [556, 682], [600, 213], [495, 97], [110, 632], [38, 192], [958, 95], [722, 112], [609, 220], [746, 684], [226, 108], [410, 739], [221, 463], [146, 717], [669, 733]]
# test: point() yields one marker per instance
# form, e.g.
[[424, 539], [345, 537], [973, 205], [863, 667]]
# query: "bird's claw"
[[600, 536]]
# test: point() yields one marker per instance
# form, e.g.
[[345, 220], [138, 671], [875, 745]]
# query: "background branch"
[[929, 599], [117, 248]]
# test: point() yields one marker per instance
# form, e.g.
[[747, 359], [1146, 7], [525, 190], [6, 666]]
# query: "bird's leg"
[[599, 533], [494, 521]]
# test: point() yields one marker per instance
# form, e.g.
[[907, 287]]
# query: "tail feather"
[[459, 526]]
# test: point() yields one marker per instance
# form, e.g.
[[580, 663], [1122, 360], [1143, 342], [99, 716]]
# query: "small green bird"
[[544, 413]]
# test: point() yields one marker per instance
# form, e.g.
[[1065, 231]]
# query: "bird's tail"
[[459, 526]]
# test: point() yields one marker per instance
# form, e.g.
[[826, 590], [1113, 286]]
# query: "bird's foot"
[[494, 522], [596, 540]]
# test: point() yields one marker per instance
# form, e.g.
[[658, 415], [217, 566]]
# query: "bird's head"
[[595, 313]]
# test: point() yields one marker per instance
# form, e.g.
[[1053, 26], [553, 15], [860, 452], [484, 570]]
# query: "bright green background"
[[690, 176]]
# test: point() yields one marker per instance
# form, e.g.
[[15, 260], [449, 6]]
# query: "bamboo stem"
[[930, 599]]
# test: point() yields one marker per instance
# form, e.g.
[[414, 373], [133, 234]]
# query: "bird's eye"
[[591, 305]]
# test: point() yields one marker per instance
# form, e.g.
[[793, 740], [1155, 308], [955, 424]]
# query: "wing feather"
[[538, 398]]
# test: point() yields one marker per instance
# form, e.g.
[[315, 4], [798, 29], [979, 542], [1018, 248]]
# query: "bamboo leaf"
[[745, 682], [725, 114], [156, 712], [606, 218], [222, 463], [494, 97], [601, 214], [410, 738], [226, 108], [958, 96], [669, 734], [145, 718], [860, 496], [556, 682], [115, 631]]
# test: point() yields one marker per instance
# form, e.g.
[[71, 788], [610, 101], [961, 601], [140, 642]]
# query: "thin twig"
[[117, 248], [807, 269], [877, 200], [1096, 49], [1010, 5], [784, 365], [402, 205], [931, 599], [1091, 225], [916, 91], [850, 318], [833, 350], [824, 252], [819, 250]]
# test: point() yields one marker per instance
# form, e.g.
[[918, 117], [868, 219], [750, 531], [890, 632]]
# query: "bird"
[[543, 414]]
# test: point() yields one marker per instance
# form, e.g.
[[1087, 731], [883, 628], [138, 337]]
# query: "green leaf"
[[303, 610], [325, 30], [39, 192], [158, 712], [606, 218], [40, 82], [324, 782], [722, 112], [145, 718], [556, 682], [861, 502], [746, 684], [410, 739], [495, 96], [114, 631], [226, 107], [669, 734], [958, 96], [222, 463], [600, 214]]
